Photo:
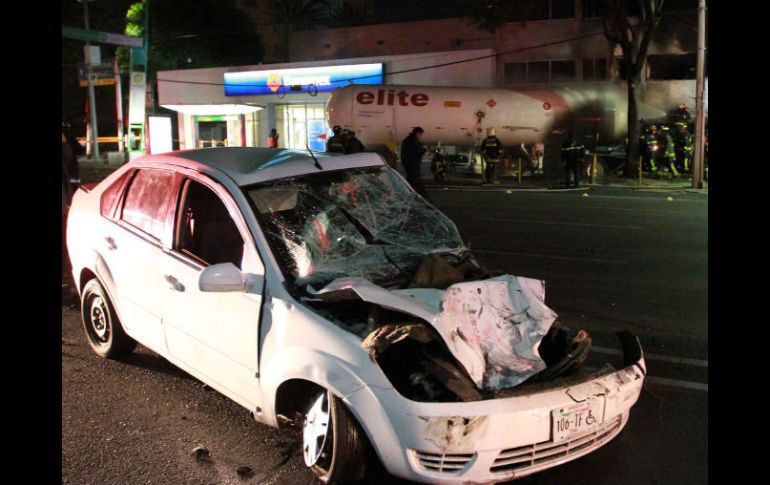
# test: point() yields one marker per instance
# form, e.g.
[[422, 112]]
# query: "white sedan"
[[320, 291]]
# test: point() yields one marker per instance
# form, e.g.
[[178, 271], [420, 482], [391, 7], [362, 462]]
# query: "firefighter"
[[353, 144], [336, 144], [571, 155], [683, 144], [650, 149], [439, 165], [681, 115], [537, 157], [666, 150], [491, 148]]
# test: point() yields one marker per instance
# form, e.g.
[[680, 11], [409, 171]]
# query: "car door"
[[132, 246], [212, 335]]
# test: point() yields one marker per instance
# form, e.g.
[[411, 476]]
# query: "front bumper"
[[498, 439]]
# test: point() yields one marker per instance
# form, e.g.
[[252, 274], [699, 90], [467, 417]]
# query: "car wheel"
[[333, 445], [103, 330]]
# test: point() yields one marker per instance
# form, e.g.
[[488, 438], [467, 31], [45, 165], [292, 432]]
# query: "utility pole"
[[697, 174], [118, 105], [91, 93]]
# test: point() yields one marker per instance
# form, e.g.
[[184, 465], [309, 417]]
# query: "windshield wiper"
[[318, 165]]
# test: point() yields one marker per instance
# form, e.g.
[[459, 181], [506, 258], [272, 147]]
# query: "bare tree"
[[633, 31]]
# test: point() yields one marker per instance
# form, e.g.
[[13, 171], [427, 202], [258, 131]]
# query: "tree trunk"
[[632, 153]]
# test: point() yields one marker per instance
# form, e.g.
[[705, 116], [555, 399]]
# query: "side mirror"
[[223, 277]]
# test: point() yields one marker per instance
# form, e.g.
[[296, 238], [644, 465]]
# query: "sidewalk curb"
[[503, 188], [517, 188]]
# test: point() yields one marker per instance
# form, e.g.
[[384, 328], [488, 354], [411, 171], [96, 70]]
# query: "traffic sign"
[[101, 74], [103, 37]]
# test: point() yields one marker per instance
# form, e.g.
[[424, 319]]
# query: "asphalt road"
[[615, 259]]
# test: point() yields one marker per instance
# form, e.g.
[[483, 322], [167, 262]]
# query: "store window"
[[594, 69], [592, 9], [301, 124], [524, 10], [562, 9], [538, 10], [537, 72], [562, 70], [671, 66], [515, 73]]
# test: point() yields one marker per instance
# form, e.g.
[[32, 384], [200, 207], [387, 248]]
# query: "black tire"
[[103, 329], [346, 451]]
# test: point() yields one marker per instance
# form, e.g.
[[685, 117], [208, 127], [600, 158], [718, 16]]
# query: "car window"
[[147, 201], [111, 194], [205, 229]]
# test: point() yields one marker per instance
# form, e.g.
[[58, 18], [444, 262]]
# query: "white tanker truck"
[[385, 114]]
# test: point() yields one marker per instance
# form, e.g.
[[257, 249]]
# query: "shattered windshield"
[[363, 222]]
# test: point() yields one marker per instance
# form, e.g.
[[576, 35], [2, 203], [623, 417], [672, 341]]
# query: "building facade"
[[560, 43]]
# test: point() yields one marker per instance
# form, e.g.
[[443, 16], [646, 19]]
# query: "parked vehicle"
[[321, 291]]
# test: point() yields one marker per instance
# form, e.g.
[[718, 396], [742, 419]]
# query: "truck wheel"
[[333, 445], [103, 330]]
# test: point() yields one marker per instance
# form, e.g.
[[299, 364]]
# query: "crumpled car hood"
[[492, 327]]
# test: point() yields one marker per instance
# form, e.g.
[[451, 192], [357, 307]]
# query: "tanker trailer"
[[383, 115]]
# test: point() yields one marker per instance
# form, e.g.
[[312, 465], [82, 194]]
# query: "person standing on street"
[[571, 154], [491, 147], [67, 156], [650, 150], [76, 150], [681, 115], [666, 149], [336, 143], [683, 146], [272, 140], [412, 151], [353, 144]]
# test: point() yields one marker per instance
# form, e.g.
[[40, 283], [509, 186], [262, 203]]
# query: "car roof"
[[251, 165]]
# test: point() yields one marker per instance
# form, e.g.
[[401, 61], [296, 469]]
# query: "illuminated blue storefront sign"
[[322, 79]]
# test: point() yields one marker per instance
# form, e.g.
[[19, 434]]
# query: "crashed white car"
[[320, 291]]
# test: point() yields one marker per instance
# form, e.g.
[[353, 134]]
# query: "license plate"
[[577, 419]]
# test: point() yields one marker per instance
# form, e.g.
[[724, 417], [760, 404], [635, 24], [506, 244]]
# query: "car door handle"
[[175, 284], [111, 243]]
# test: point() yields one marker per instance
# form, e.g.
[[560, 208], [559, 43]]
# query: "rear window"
[[112, 193], [147, 201]]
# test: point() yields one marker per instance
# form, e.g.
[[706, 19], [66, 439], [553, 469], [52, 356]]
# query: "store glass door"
[[301, 125], [212, 132]]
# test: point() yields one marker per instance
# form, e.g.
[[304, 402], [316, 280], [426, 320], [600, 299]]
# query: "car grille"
[[548, 451], [451, 463]]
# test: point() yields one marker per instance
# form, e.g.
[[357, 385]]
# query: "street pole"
[[697, 172], [118, 105], [91, 94]]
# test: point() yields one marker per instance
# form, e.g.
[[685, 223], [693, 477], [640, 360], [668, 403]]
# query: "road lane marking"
[[625, 209], [559, 223], [647, 356], [665, 381], [533, 255]]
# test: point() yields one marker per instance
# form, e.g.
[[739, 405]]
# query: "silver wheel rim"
[[314, 429], [99, 318]]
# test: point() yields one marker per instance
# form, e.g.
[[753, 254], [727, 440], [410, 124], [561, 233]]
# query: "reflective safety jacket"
[[491, 146], [335, 144], [684, 142], [667, 144], [650, 142]]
